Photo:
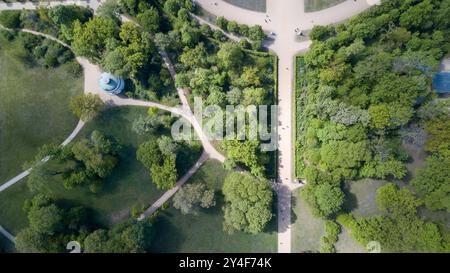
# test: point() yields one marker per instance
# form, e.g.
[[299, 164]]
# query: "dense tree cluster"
[[162, 166], [432, 182], [128, 237], [248, 204], [85, 162], [323, 194], [51, 226], [400, 229], [365, 80], [219, 71]]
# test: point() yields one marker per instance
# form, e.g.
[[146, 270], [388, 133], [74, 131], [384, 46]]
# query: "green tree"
[[230, 55], [90, 39], [245, 152], [10, 18], [149, 20], [143, 125], [30, 240], [248, 203], [67, 14], [165, 176], [167, 146], [190, 198], [46, 220], [432, 182], [86, 106], [149, 154]]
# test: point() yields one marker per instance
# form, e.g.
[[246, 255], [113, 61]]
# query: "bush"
[[8, 35], [346, 220], [86, 106], [327, 248], [10, 18], [332, 231], [74, 68]]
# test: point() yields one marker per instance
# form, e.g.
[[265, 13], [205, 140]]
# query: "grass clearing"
[[316, 5], [176, 232], [253, 5], [33, 108], [360, 197], [128, 184], [306, 229]]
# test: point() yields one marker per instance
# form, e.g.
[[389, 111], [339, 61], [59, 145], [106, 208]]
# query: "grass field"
[[254, 5], [316, 5], [33, 108], [176, 232], [306, 229], [128, 184]]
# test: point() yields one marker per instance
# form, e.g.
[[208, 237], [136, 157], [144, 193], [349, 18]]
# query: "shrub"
[[346, 220], [10, 18]]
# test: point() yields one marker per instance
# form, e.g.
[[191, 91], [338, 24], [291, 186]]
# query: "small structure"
[[441, 81], [111, 84]]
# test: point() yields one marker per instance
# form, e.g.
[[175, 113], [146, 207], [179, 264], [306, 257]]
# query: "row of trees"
[[254, 33], [52, 226]]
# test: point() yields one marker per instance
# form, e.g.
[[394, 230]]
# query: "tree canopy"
[[248, 204]]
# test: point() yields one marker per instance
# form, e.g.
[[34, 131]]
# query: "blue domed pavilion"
[[111, 84]]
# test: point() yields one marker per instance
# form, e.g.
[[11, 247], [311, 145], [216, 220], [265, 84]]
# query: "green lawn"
[[254, 5], [360, 197], [316, 5], [129, 183], [306, 229], [33, 108], [203, 233], [346, 243]]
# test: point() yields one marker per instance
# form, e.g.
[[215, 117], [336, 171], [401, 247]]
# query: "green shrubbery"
[[10, 18], [254, 33], [366, 80]]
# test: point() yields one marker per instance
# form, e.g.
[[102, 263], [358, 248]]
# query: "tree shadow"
[[350, 201]]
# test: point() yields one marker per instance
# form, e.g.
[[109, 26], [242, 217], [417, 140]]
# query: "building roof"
[[111, 83], [441, 82]]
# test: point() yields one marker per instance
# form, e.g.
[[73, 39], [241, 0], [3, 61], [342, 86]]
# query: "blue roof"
[[441, 82], [111, 83]]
